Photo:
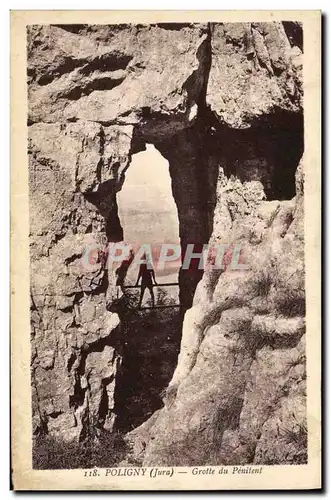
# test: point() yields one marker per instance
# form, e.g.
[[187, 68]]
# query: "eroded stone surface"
[[242, 359], [254, 71], [223, 103]]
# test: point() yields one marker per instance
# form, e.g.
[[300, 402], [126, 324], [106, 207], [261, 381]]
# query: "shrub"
[[51, 453]]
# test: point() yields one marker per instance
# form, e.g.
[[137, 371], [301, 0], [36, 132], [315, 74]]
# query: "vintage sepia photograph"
[[166, 168]]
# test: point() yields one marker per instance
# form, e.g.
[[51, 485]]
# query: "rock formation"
[[223, 104]]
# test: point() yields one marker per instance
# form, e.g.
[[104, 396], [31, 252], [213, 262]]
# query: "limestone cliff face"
[[223, 103], [238, 394]]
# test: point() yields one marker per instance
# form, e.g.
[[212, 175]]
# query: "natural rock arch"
[[97, 94]]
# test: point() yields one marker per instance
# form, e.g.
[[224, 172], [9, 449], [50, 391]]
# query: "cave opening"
[[148, 212], [150, 338], [269, 151]]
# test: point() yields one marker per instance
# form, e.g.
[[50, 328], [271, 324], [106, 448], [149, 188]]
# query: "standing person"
[[147, 275], [121, 273]]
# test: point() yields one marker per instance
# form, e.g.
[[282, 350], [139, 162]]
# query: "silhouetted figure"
[[122, 271], [147, 275]]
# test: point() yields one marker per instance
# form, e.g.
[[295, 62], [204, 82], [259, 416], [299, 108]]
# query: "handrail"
[[159, 284], [158, 307]]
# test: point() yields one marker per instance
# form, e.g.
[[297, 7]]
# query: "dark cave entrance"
[[269, 151]]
